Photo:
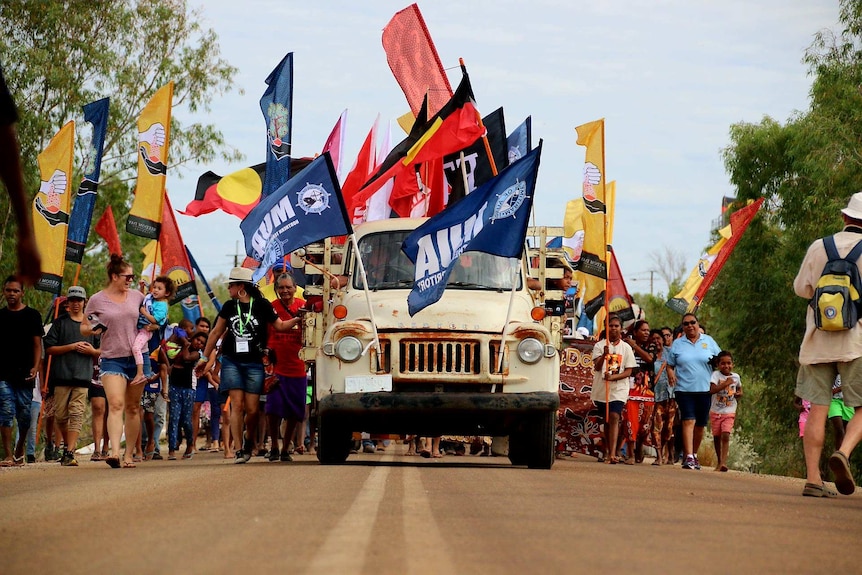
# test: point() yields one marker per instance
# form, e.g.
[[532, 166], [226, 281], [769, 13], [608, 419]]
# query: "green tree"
[[58, 55], [806, 169]]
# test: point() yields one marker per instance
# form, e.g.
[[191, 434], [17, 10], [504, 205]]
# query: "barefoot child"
[[725, 388], [154, 311]]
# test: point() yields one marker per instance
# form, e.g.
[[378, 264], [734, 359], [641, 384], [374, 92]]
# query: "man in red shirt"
[[287, 399]]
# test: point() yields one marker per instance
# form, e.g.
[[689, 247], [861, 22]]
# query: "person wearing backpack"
[[831, 346]]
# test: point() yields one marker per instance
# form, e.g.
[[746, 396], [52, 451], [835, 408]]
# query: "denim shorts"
[[694, 405], [124, 366], [247, 376], [15, 404]]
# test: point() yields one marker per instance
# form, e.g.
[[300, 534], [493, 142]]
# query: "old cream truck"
[[443, 371]]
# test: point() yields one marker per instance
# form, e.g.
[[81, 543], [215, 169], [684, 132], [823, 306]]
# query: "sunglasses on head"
[[692, 322]]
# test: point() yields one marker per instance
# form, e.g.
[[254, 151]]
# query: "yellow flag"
[[51, 207], [154, 127], [152, 265], [684, 302], [589, 245]]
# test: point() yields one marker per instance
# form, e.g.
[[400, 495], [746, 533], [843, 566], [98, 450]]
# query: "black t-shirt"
[[246, 334], [17, 329], [181, 373]]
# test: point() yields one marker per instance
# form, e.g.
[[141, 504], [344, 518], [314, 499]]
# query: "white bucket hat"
[[240, 274], [854, 207]]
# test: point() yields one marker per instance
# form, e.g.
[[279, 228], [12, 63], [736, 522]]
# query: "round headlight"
[[530, 350], [348, 349]]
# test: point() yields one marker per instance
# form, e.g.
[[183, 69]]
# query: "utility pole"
[[235, 256], [651, 274]]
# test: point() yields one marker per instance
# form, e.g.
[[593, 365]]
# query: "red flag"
[[739, 221], [414, 61], [360, 173], [107, 228], [335, 143], [424, 195], [453, 128], [619, 300], [175, 259]]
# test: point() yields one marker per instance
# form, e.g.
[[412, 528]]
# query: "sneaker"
[[689, 463], [286, 457], [31, 458], [273, 454], [814, 490], [68, 459], [368, 448], [157, 456], [246, 455], [239, 456], [696, 463]]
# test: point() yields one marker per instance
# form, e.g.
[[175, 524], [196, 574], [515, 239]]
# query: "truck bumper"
[[437, 413]]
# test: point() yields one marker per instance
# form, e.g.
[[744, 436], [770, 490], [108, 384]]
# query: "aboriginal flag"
[[236, 194]]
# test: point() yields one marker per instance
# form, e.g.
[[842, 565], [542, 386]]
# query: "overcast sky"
[[669, 77]]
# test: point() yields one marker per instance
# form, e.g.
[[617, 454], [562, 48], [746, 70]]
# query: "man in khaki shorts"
[[71, 371], [822, 356]]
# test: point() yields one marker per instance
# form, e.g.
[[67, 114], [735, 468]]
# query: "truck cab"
[[449, 369]]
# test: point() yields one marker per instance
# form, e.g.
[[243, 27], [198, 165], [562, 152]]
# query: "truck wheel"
[[540, 441], [517, 448], [333, 441]]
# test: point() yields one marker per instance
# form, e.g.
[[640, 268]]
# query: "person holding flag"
[[242, 327]]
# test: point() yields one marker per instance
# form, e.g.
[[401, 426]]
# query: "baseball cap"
[[76, 292]]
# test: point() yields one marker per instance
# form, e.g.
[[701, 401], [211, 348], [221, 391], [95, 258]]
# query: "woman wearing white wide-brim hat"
[[242, 326]]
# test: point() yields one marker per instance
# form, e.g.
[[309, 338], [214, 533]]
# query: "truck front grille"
[[443, 357]]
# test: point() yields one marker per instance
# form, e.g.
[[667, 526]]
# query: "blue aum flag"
[[306, 209], [492, 219], [518, 142], [96, 113], [277, 107], [199, 274]]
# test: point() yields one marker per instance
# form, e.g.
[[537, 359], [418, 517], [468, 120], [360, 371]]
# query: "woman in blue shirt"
[[689, 370]]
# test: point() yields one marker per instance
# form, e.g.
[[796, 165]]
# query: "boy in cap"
[[71, 370]]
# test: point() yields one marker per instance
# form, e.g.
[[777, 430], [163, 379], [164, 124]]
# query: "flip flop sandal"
[[840, 468], [113, 462], [129, 465], [188, 455]]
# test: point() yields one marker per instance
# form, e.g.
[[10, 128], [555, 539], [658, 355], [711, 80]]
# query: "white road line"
[[426, 550], [344, 550]]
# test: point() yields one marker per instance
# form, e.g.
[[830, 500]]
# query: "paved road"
[[387, 513]]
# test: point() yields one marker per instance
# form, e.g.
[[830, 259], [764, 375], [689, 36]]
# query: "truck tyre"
[[333, 441], [540, 435], [517, 447]]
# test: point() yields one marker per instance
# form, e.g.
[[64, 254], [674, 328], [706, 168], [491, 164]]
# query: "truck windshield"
[[387, 267]]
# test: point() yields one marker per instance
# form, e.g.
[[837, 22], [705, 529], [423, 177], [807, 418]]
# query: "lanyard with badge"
[[242, 340]]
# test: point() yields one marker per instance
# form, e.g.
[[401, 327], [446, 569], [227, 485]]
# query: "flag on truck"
[[414, 61], [277, 107], [453, 128], [519, 141], [305, 209], [96, 113], [51, 207], [492, 219], [154, 135], [477, 165]]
